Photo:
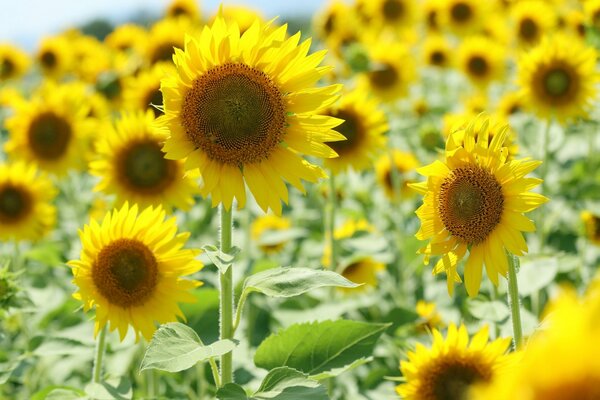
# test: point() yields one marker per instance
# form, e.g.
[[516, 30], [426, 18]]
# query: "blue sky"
[[24, 22]]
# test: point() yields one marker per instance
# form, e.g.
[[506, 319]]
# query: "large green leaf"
[[111, 389], [317, 347], [281, 383], [176, 347], [495, 311]]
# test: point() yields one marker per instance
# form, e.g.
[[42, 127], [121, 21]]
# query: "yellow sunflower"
[[243, 16], [350, 228], [592, 226], [142, 91], [575, 23], [131, 267], [363, 127], [481, 60], [464, 17], [26, 210], [436, 51], [243, 109], [127, 38], [183, 9], [52, 129], [558, 78], [54, 57], [432, 11], [474, 200], [430, 318], [132, 166], [532, 19], [510, 103], [451, 366], [591, 9], [90, 57], [405, 163], [266, 224], [391, 15], [338, 26], [13, 62], [392, 71], [362, 270], [164, 37]]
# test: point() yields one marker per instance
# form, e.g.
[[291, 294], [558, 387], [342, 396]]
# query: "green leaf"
[[58, 392], [292, 281], [232, 391], [399, 316], [338, 371], [221, 260], [60, 346], [495, 311], [176, 347], [536, 273], [273, 237], [6, 370], [203, 314], [318, 347], [111, 389]]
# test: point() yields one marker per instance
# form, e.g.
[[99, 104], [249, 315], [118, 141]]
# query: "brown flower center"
[[143, 168], [235, 114], [451, 379], [163, 52], [154, 98], [15, 203], [48, 59], [7, 68], [125, 272], [351, 128], [478, 66], [461, 12], [470, 203], [437, 58], [49, 136], [393, 10], [528, 30], [384, 77]]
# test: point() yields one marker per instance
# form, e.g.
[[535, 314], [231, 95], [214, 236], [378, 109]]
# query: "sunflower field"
[[391, 199]]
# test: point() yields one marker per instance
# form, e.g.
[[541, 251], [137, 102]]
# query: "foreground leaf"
[[111, 389], [176, 347], [317, 347]]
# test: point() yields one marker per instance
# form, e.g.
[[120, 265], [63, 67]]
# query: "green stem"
[[544, 187], [226, 281], [152, 384], [331, 221], [513, 300], [100, 345]]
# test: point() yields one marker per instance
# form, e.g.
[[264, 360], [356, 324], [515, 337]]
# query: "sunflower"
[[575, 23], [451, 366], [164, 37], [243, 16], [52, 129], [142, 91], [481, 60], [54, 57], [464, 17], [90, 57], [430, 318], [405, 163], [127, 38], [475, 200], [432, 11], [510, 103], [26, 210], [338, 26], [392, 71], [132, 166], [436, 51], [591, 9], [350, 228], [246, 113], [532, 19], [269, 224], [363, 127], [183, 9], [391, 15], [362, 270], [13, 62], [561, 362], [558, 78], [592, 226], [130, 269]]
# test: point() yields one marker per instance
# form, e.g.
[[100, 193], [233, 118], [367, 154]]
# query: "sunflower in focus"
[[474, 200], [183, 9], [481, 60], [392, 71], [436, 51], [127, 38], [452, 366], [363, 127], [404, 164], [54, 57], [463, 17], [362, 270], [269, 224], [532, 19], [13, 62], [52, 129], [130, 269], [26, 210], [592, 226], [244, 114], [142, 91], [132, 166], [558, 78]]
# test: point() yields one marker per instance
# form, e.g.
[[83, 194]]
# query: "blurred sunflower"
[[363, 127], [481, 60], [244, 17], [575, 23], [268, 224], [132, 166], [592, 226], [591, 9], [54, 57], [338, 26], [246, 113], [430, 318], [474, 200], [164, 37], [404, 164], [127, 38], [452, 366], [510, 103], [142, 91], [350, 228], [392, 71], [436, 51], [13, 62], [131, 267], [532, 19], [183, 9], [464, 16], [26, 210], [391, 15], [432, 11], [90, 57], [558, 78], [362, 270], [52, 129]]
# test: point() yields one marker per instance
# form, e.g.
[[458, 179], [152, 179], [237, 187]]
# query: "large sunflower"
[[26, 212], [130, 269], [132, 166], [52, 129], [363, 127], [244, 109], [13, 62], [481, 60], [558, 78], [452, 366], [474, 200]]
